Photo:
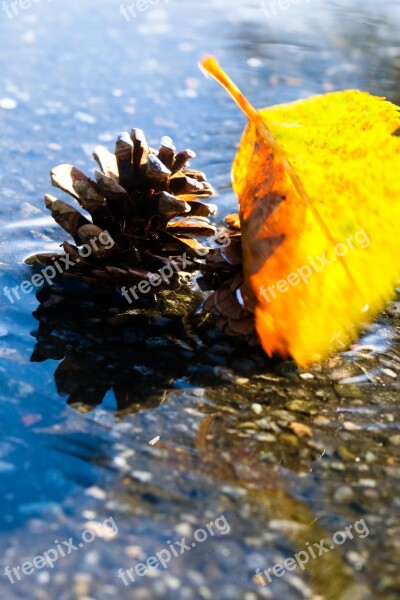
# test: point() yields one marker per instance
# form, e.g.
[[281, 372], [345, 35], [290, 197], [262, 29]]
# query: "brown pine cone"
[[146, 209], [223, 273]]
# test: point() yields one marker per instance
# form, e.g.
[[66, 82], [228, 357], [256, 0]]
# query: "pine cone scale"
[[145, 203]]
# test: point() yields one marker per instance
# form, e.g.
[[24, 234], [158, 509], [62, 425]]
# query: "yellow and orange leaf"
[[318, 183]]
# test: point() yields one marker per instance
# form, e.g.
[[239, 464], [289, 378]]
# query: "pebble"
[[266, 437], [199, 392], [389, 373], [289, 527], [134, 552], [301, 430], [100, 530], [321, 420], [184, 529], [370, 457], [172, 582], [298, 584], [343, 493], [367, 483], [89, 514], [257, 408], [120, 462], [306, 376], [254, 62], [96, 492], [154, 440], [349, 426], [347, 390], [8, 103], [92, 557], [43, 577], [356, 559], [300, 406], [395, 439], [143, 476], [85, 118]]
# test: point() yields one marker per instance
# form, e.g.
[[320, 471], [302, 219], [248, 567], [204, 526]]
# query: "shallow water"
[[144, 423]]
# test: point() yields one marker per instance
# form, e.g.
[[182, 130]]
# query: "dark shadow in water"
[[139, 353]]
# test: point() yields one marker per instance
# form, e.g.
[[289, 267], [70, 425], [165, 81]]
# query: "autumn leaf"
[[319, 193]]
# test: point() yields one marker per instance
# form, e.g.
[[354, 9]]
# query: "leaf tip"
[[207, 65]]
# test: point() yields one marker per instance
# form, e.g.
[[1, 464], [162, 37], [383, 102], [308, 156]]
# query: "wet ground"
[[151, 423]]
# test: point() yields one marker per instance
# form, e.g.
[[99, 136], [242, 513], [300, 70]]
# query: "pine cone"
[[223, 273], [146, 210]]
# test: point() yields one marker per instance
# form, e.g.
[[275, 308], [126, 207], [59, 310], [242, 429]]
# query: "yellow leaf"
[[318, 182]]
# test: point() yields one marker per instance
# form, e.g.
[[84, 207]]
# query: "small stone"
[[286, 525], [256, 408], [199, 392], [395, 439], [299, 406], [284, 415], [337, 466], [343, 493], [389, 373], [89, 514], [321, 420], [347, 390], [96, 492], [306, 376], [370, 457], [172, 582], [85, 118], [43, 577], [134, 552], [8, 103], [298, 584], [346, 454], [101, 530], [120, 462], [289, 440], [143, 476], [184, 529], [92, 558], [356, 559], [266, 437], [301, 430], [264, 423], [349, 426], [229, 376], [367, 483], [254, 62]]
